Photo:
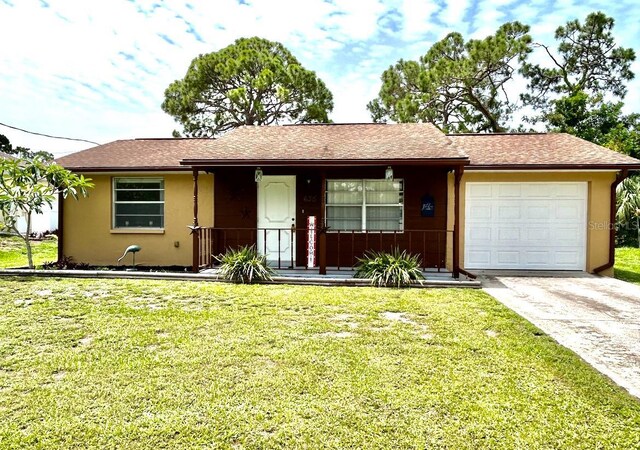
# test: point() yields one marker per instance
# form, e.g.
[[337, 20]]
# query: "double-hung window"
[[365, 205], [138, 203]]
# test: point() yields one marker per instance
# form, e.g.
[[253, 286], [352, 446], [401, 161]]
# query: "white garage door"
[[539, 226]]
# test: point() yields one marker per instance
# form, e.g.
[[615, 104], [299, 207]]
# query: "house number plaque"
[[428, 207]]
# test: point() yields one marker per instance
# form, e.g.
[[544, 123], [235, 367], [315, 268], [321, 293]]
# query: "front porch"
[[288, 249], [355, 210]]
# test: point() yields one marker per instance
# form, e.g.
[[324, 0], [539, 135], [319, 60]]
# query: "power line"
[[48, 135]]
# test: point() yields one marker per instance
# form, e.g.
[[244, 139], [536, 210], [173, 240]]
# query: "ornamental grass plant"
[[395, 269], [244, 265]]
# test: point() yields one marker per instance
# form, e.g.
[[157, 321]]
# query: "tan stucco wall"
[[88, 236], [598, 204]]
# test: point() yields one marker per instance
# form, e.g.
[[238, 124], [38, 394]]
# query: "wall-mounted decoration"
[[310, 199], [311, 242], [428, 206]]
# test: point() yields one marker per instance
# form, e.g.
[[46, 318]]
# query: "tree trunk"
[[638, 229], [27, 241]]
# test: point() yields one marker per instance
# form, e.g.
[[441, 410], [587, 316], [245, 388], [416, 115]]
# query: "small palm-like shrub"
[[395, 269], [244, 265]]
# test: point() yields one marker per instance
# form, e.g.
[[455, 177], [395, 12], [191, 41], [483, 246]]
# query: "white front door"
[[540, 226], [276, 215]]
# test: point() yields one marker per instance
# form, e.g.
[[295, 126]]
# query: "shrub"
[[244, 265], [66, 263], [395, 269]]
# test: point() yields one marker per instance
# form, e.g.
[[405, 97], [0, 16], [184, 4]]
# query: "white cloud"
[[489, 17], [98, 70], [417, 17], [453, 15]]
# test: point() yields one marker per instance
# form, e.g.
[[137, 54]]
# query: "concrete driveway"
[[596, 317]]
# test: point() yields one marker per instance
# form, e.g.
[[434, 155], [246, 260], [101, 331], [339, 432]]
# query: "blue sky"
[[98, 69]]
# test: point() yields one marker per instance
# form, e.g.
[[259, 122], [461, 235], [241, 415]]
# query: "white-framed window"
[[365, 205], [138, 203]]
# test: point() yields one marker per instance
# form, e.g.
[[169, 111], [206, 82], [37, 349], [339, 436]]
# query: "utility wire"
[[48, 135]]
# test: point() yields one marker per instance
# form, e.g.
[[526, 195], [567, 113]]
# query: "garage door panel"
[[507, 257], [537, 212], [526, 226], [481, 234], [508, 234], [537, 257], [567, 258], [536, 235], [479, 257], [566, 210], [568, 235], [573, 190], [480, 212], [480, 191], [536, 190], [509, 212], [506, 191]]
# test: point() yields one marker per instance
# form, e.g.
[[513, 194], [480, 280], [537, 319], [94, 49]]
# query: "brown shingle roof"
[[132, 154], [349, 143], [295, 143], [331, 142], [537, 149]]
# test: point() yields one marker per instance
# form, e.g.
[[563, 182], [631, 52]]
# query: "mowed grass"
[[152, 364], [13, 252], [627, 266]]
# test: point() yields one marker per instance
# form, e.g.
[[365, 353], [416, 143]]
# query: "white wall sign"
[[311, 241]]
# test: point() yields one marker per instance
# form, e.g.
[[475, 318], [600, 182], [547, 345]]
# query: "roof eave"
[[461, 161], [128, 169], [488, 167]]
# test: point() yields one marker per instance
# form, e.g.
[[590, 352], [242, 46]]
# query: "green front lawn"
[[627, 266], [13, 252], [151, 364]]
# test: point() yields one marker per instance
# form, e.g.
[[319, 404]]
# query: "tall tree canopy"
[[587, 61], [251, 82], [597, 121], [572, 93], [458, 86]]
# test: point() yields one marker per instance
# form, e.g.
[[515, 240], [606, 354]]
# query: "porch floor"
[[344, 277]]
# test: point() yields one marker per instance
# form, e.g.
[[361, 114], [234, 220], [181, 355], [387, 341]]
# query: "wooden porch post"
[[322, 226], [458, 171], [195, 229]]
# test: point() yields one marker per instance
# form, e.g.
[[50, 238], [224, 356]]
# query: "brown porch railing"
[[342, 247]]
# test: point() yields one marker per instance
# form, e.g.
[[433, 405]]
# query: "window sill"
[[137, 231]]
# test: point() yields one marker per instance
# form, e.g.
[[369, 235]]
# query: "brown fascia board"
[[554, 167], [129, 169], [462, 161]]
